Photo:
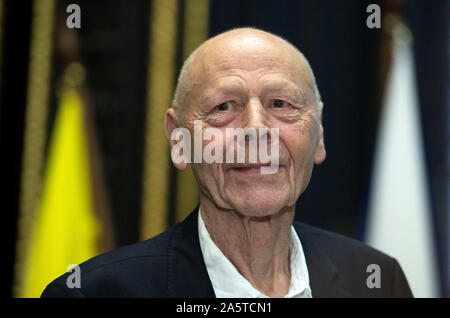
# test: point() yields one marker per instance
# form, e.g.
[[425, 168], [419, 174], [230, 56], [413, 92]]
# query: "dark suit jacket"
[[171, 265]]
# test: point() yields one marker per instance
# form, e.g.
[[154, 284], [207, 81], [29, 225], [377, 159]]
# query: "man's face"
[[252, 82]]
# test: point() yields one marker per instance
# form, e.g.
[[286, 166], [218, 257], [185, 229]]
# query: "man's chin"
[[258, 205]]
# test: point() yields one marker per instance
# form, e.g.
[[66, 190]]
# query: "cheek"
[[300, 140], [208, 176]]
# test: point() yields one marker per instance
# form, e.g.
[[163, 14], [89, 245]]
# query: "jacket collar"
[[187, 275], [323, 274]]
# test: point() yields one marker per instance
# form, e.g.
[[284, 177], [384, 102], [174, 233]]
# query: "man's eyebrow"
[[286, 86], [225, 88]]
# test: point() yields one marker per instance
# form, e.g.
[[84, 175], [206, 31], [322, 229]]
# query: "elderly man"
[[242, 240]]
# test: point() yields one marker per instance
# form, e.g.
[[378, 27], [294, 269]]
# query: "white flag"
[[399, 219]]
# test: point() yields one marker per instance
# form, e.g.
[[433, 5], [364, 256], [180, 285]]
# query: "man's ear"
[[320, 152], [170, 124]]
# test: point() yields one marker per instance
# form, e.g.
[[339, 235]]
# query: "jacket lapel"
[[187, 275], [323, 274]]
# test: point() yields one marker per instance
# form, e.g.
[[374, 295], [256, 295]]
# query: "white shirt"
[[229, 283]]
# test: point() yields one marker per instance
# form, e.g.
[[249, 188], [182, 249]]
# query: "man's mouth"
[[252, 168]]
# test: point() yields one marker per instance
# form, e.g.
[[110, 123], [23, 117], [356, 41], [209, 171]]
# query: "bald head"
[[231, 44]]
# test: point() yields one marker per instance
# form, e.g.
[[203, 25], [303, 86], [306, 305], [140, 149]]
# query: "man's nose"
[[256, 121], [255, 116]]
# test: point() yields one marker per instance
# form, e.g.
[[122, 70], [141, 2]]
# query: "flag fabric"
[[66, 230], [399, 214]]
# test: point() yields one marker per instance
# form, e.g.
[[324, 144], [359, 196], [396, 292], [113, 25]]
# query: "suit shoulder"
[[334, 243], [352, 259], [128, 271], [151, 248]]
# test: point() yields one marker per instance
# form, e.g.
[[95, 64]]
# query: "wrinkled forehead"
[[248, 53]]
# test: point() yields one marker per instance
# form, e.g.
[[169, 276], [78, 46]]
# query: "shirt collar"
[[229, 283]]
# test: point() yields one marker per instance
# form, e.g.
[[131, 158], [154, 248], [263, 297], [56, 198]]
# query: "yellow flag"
[[66, 230]]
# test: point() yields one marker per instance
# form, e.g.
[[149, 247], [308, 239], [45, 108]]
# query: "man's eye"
[[224, 106], [278, 103]]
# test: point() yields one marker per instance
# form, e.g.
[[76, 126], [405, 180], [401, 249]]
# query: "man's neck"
[[257, 246]]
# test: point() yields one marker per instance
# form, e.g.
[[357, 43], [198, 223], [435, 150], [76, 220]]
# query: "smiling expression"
[[255, 80]]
